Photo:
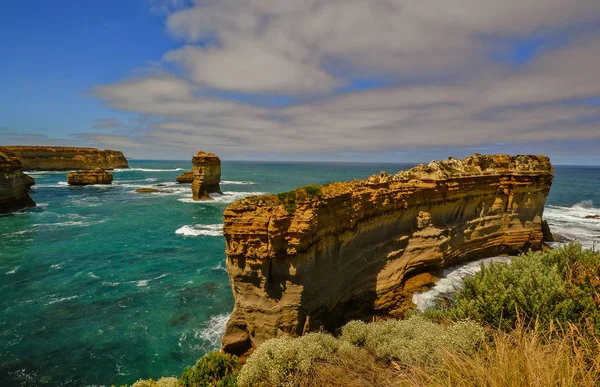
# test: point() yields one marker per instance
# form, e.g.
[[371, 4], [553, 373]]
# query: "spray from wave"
[[570, 223]]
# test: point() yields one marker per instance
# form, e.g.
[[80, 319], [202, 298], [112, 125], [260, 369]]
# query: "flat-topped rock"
[[186, 178], [207, 175], [53, 158], [318, 256], [14, 185], [152, 190], [93, 177]]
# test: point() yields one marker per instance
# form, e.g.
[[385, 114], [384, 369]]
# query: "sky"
[[310, 80]]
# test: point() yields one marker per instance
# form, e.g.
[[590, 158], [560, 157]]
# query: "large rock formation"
[[14, 185], [84, 177], [186, 178], [319, 256], [49, 158], [207, 175]]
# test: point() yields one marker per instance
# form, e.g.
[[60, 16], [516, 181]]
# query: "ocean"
[[102, 285]]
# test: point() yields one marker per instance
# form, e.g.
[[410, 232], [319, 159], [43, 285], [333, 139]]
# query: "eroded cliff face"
[[93, 177], [207, 175], [317, 257], [14, 185], [47, 158], [186, 178]]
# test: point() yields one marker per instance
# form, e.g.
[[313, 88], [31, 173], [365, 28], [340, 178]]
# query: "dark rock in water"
[[186, 178], [152, 190], [591, 217], [547, 234], [14, 185], [160, 185], [84, 177]]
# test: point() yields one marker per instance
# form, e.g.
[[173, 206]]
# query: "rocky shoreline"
[[14, 185]]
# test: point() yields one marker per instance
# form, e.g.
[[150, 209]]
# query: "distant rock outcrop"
[[186, 178], [50, 158], [319, 256], [207, 175], [14, 185], [152, 190], [93, 177]]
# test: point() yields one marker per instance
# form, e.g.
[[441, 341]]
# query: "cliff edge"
[[14, 185], [319, 256], [50, 158]]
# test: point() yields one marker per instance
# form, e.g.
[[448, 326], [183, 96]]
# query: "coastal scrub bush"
[[414, 341], [279, 361], [215, 369], [162, 382], [560, 285]]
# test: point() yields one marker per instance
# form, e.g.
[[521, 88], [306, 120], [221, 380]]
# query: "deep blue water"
[[102, 285]]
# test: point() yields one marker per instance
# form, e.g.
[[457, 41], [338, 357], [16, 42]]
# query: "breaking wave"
[[228, 182], [213, 330], [451, 282], [227, 197], [201, 229], [569, 223], [146, 170]]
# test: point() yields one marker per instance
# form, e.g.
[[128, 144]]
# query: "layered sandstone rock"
[[319, 256], [186, 178], [14, 185], [96, 176], [207, 175], [49, 158]]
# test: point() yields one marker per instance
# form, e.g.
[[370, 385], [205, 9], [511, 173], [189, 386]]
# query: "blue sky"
[[383, 80]]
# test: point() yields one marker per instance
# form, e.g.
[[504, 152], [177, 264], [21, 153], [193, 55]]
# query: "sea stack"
[[14, 185], [93, 177], [207, 175], [319, 256], [56, 158], [186, 178]]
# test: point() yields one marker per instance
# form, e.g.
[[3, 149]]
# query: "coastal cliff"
[[48, 158], [319, 256], [207, 175], [14, 185]]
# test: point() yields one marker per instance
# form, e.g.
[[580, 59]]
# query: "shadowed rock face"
[[318, 257], [46, 158], [207, 175], [14, 185], [97, 176], [186, 178]]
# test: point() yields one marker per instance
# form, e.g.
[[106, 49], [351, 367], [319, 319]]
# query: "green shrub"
[[560, 285], [289, 200], [279, 361], [162, 382], [215, 369], [414, 341]]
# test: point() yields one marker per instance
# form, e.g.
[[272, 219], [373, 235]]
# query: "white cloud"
[[446, 91]]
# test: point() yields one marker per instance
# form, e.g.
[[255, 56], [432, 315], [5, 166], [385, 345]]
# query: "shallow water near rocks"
[[103, 285]]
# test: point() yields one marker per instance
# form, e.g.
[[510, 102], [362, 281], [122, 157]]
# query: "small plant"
[[277, 362], [215, 369], [414, 341], [162, 382]]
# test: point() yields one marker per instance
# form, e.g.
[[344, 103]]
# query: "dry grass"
[[520, 358]]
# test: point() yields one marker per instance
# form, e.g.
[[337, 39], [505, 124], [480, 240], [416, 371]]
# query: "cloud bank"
[[292, 77]]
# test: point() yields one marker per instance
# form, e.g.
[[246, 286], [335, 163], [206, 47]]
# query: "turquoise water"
[[102, 285]]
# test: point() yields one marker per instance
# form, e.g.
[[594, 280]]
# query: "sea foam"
[[201, 229], [570, 223], [227, 197], [451, 282]]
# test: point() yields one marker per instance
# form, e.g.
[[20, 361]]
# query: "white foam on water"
[[142, 283], [227, 197], [151, 179], [213, 330], [570, 222], [219, 267], [229, 182], [48, 172], [201, 229], [451, 282], [62, 183], [61, 300], [146, 170], [92, 275], [13, 271], [56, 266]]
